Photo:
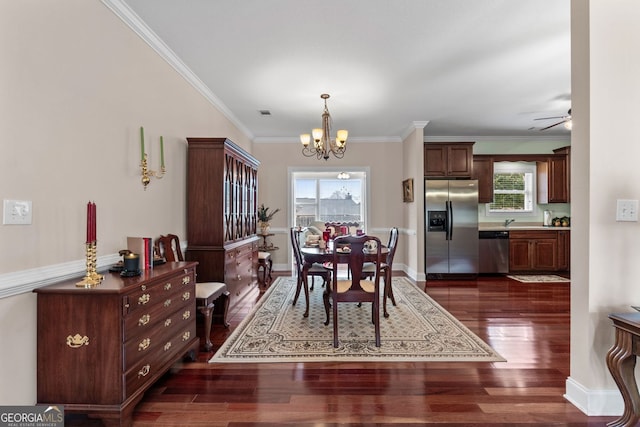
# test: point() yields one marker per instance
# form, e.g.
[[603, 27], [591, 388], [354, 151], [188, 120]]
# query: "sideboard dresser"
[[101, 348]]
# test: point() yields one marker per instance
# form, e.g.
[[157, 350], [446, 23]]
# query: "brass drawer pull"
[[186, 315], [144, 371], [167, 323], [77, 341], [186, 336], [186, 280], [144, 299], [144, 320], [167, 303], [167, 286], [186, 296], [144, 344], [167, 346], [143, 288]]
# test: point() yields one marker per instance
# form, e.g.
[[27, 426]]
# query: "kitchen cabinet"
[[538, 250], [222, 185], [448, 159], [483, 172], [554, 177]]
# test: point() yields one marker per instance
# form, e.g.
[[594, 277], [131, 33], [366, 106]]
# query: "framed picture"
[[407, 190]]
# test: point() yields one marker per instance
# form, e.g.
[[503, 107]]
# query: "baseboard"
[[594, 402]]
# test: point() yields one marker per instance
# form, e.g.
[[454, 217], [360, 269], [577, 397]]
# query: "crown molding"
[[296, 140], [432, 138], [133, 21]]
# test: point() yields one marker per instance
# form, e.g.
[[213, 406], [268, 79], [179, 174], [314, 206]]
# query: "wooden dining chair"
[[208, 294], [386, 269], [355, 289], [316, 270]]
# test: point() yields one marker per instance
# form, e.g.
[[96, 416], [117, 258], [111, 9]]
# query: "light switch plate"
[[627, 210], [17, 212]]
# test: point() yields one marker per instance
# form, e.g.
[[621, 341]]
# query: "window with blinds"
[[513, 188]]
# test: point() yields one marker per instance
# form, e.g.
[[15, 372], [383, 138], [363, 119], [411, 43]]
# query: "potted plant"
[[265, 216]]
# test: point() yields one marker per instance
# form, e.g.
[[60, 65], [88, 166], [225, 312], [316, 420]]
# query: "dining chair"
[[207, 293], [355, 289], [386, 269], [314, 270]]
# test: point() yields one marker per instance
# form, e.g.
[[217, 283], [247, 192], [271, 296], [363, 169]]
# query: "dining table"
[[314, 254]]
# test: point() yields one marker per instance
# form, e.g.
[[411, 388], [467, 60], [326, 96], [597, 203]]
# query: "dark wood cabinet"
[[448, 160], [100, 349], [554, 177], [222, 188], [538, 251], [483, 172]]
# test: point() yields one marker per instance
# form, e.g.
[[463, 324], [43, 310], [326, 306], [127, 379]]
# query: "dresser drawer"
[[147, 296], [155, 340], [153, 362]]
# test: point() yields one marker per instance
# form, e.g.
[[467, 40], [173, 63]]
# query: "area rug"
[[418, 329], [539, 278]]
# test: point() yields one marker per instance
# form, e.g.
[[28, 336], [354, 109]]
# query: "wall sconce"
[[147, 174]]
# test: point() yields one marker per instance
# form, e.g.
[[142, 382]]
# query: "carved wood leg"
[[224, 299], [327, 304], [621, 363], [335, 324], [305, 283], [206, 310]]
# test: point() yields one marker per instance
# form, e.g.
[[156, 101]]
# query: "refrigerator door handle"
[[449, 219]]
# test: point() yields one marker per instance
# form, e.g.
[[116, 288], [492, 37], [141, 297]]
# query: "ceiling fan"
[[564, 119]]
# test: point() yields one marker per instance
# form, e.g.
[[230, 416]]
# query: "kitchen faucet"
[[508, 221]]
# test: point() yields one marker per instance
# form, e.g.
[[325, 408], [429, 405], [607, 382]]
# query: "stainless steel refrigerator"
[[451, 229]]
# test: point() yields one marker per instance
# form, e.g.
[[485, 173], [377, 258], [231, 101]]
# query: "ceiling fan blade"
[[549, 118], [555, 124]]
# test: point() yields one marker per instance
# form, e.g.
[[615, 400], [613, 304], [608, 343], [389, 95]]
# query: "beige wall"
[[383, 159], [76, 86]]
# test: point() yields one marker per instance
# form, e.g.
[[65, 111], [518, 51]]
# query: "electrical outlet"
[[627, 210], [17, 212]]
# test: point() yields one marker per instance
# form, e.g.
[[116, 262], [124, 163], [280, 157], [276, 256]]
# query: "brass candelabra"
[[91, 278]]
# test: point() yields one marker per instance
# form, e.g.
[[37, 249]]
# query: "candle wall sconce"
[[147, 173]]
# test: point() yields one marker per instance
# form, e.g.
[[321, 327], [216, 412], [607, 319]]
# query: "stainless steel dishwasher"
[[494, 251]]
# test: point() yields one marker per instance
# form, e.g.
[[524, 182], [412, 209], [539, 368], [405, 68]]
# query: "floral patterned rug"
[[417, 329], [539, 278]]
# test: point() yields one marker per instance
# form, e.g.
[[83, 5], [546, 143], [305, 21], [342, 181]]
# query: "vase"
[[264, 228]]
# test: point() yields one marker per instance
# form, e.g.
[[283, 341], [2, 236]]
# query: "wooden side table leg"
[[621, 363]]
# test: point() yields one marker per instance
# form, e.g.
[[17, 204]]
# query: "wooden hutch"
[[222, 189]]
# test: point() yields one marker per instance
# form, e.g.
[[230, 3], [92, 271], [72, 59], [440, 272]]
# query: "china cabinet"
[[222, 186]]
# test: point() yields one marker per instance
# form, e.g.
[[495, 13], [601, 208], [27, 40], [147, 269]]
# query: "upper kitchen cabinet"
[[483, 172], [554, 177], [448, 159]]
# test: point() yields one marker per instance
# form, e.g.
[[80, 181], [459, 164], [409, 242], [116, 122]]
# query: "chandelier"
[[322, 142]]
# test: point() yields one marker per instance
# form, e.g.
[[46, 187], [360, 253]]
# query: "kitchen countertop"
[[499, 226]]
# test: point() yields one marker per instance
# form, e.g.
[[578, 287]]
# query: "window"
[[513, 188], [322, 196]]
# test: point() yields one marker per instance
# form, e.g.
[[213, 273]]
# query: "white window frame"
[[326, 172], [517, 167]]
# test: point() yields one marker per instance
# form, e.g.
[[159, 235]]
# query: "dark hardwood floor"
[[527, 324]]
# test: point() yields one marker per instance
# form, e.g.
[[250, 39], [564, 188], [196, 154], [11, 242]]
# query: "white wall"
[[76, 86], [605, 153]]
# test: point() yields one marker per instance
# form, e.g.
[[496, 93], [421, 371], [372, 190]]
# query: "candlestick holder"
[[91, 278], [147, 174]]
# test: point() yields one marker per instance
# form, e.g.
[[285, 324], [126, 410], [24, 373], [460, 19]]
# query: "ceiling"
[[470, 68]]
